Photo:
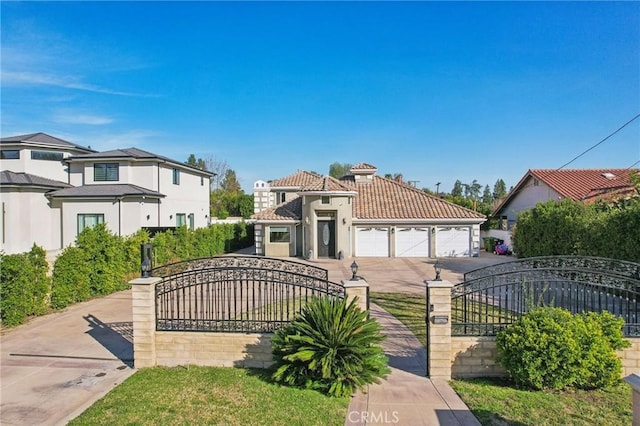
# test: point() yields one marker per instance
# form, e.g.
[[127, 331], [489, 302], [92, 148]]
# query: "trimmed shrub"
[[332, 347], [71, 274], [105, 254], [551, 348], [25, 285]]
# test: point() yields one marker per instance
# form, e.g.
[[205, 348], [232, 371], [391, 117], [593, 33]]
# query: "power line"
[[610, 135]]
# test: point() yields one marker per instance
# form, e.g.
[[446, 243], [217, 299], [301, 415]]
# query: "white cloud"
[[22, 78], [70, 117]]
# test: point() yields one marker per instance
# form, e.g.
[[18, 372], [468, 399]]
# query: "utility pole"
[[438, 189]]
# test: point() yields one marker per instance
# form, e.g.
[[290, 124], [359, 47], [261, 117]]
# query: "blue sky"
[[435, 91]]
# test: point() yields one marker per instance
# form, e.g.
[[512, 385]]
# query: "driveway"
[[56, 366]]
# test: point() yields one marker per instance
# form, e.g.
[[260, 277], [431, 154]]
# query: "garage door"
[[453, 242], [412, 242], [372, 242]]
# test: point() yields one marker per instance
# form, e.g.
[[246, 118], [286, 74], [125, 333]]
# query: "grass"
[[497, 402], [212, 396]]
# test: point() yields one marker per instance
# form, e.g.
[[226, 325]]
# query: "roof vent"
[[609, 176]]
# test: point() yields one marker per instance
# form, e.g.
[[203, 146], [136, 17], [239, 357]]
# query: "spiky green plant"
[[332, 347]]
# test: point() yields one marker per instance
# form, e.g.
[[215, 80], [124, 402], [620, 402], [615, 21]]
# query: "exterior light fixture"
[[354, 271], [438, 269]]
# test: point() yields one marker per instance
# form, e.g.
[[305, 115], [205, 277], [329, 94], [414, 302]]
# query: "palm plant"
[[332, 347]]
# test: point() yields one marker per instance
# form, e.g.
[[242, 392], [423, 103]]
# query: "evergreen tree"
[[499, 190], [457, 189]]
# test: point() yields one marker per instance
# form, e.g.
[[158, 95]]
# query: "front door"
[[326, 238]]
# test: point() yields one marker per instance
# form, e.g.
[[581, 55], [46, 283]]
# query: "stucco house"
[[359, 215], [584, 185], [50, 197]]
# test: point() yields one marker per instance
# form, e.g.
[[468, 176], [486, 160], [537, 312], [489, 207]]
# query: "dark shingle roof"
[[109, 190], [10, 178], [45, 139], [135, 153]]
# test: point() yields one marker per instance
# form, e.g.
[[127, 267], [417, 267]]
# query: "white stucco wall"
[[55, 170], [28, 219], [527, 197], [191, 196]]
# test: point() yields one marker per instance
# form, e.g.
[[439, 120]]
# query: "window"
[[47, 155], [176, 177], [326, 200], [536, 182], [89, 220], [191, 221], [279, 234], [181, 219], [105, 172], [10, 154], [280, 197]]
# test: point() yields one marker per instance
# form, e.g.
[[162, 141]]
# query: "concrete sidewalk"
[[406, 397]]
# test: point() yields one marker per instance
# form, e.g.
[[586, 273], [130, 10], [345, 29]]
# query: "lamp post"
[[354, 271], [438, 269], [438, 189]]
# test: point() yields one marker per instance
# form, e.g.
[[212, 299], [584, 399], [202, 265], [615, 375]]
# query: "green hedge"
[[551, 348], [101, 263], [25, 285], [571, 228]]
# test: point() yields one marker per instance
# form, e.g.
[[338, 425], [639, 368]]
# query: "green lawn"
[[497, 402], [214, 396]]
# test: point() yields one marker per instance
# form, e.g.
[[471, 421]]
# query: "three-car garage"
[[413, 241]]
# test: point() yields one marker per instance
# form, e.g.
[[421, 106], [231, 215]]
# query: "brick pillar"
[[357, 288], [143, 302], [634, 381], [439, 332]]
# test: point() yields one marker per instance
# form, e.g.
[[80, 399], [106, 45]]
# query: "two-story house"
[[127, 189], [361, 214]]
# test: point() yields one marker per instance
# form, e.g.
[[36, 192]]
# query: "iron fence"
[[488, 302], [237, 294]]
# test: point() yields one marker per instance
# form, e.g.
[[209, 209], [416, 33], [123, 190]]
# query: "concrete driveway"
[[56, 366]]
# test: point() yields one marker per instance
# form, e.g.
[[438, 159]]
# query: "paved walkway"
[[406, 397]]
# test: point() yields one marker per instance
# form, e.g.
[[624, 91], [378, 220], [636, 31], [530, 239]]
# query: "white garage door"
[[453, 242], [412, 242], [372, 242]]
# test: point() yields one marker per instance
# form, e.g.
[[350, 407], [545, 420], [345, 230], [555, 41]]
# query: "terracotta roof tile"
[[290, 210], [363, 166], [586, 184], [327, 184], [387, 199], [298, 179]]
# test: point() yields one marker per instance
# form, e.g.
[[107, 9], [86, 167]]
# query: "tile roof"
[[363, 166], [296, 180], [109, 190], [46, 139], [290, 210], [380, 199], [136, 153], [585, 184], [388, 199], [10, 178], [327, 184]]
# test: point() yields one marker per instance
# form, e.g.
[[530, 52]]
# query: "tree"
[[474, 190], [499, 190], [230, 183], [457, 189], [338, 170], [487, 197], [219, 168], [197, 163]]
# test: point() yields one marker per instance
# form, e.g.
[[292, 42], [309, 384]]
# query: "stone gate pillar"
[[439, 329], [357, 288], [143, 303]]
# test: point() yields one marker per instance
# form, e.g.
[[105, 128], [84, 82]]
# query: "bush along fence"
[[223, 311], [100, 263]]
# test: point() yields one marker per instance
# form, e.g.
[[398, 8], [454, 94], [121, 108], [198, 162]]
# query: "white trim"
[[418, 222], [328, 193]]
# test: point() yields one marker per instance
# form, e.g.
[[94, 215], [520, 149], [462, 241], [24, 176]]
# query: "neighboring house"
[[361, 214], [584, 185], [127, 189]]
